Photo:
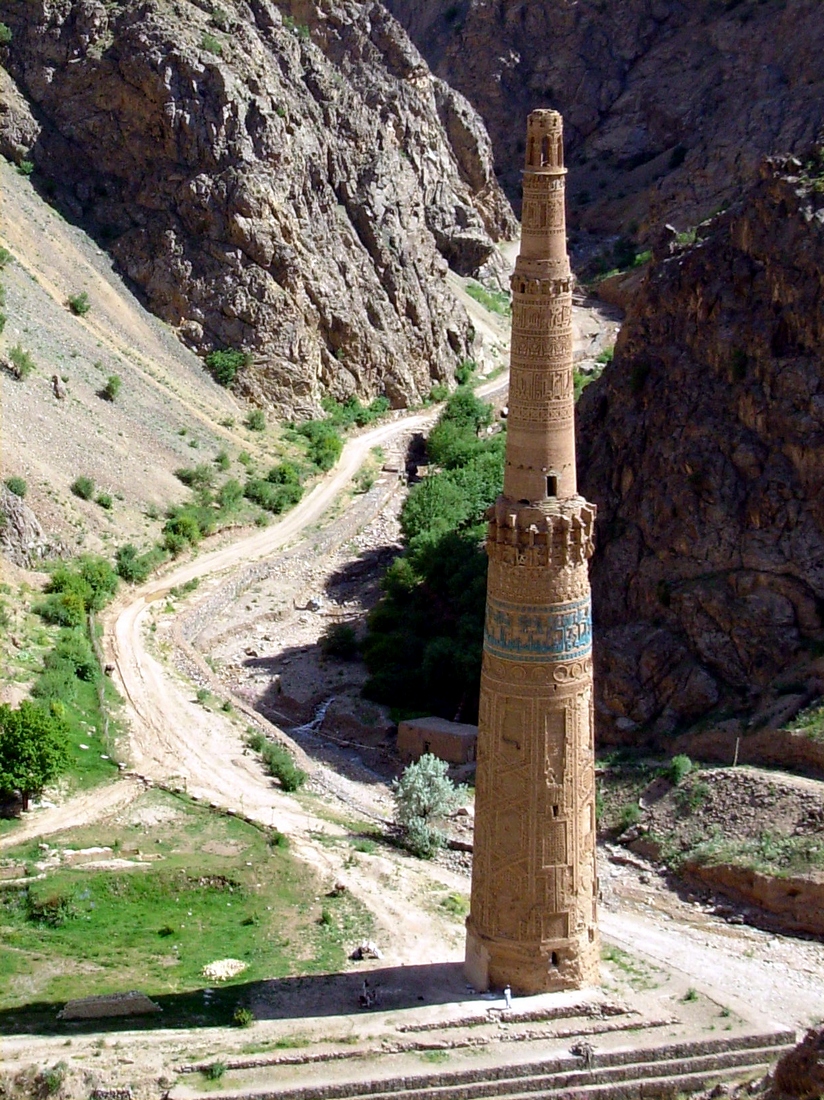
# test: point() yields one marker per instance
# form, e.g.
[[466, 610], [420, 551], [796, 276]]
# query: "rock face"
[[289, 182], [703, 447], [22, 539], [668, 107]]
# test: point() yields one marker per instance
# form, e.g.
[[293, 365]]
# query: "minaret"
[[532, 921]]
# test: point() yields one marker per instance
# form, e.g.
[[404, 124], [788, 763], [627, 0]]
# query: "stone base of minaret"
[[530, 969]]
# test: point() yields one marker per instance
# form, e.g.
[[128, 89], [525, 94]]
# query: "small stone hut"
[[453, 742]]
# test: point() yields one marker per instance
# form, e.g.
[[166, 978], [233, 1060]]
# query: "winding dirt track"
[[172, 738]]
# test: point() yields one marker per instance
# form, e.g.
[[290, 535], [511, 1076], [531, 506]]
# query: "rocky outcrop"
[[668, 106], [22, 539], [290, 181], [799, 1074], [703, 446], [18, 128]]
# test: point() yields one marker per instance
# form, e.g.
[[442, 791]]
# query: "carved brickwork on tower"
[[532, 922]]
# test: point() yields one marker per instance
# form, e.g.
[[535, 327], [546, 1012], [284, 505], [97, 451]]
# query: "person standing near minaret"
[[532, 920]]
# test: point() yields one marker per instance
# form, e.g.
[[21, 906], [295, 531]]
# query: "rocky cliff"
[[22, 539], [291, 181], [703, 447], [668, 106]]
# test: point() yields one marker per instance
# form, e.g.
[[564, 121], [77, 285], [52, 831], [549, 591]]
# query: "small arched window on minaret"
[[551, 485], [559, 152], [544, 151]]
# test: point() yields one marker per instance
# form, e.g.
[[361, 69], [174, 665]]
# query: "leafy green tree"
[[33, 750], [433, 507], [424, 794]]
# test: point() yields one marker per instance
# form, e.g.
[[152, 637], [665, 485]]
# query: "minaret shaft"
[[532, 918]]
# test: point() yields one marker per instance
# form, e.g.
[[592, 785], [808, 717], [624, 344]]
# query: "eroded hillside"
[[291, 181], [168, 412], [703, 447]]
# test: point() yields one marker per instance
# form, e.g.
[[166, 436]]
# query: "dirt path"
[[80, 810]]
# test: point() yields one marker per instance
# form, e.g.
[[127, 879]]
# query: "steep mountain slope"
[[668, 106], [290, 181], [129, 447], [703, 447]]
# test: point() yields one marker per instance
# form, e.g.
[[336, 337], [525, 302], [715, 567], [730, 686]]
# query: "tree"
[[33, 750], [423, 794]]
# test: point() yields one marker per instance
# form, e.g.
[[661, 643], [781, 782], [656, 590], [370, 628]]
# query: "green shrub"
[[16, 485], [230, 494], [692, 796], [112, 387], [339, 640], [53, 1078], [25, 167], [104, 500], [63, 609], [83, 487], [256, 421], [225, 364], [5, 257], [351, 411], [278, 761], [23, 362], [181, 530], [242, 1017], [464, 371], [424, 641], [201, 476], [423, 794], [79, 304], [678, 769], [73, 651], [286, 473], [325, 444], [222, 461], [215, 1071], [5, 34], [3, 320], [630, 815], [135, 567], [56, 685], [438, 393], [211, 44]]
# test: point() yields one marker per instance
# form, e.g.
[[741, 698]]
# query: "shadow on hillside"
[[294, 998]]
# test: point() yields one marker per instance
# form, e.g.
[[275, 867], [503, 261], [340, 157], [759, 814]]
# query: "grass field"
[[217, 888]]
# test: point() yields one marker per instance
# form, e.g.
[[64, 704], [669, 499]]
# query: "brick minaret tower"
[[532, 917]]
